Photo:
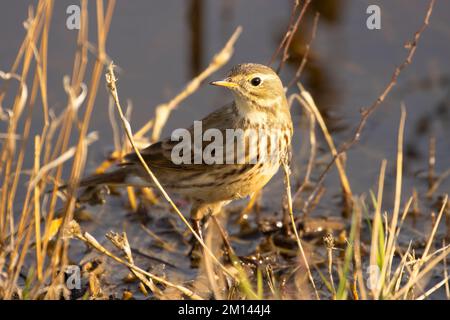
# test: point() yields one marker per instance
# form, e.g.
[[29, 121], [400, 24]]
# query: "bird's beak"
[[224, 83]]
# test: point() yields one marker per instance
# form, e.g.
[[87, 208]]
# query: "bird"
[[259, 107]]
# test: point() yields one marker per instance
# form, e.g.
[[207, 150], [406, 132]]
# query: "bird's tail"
[[116, 177]]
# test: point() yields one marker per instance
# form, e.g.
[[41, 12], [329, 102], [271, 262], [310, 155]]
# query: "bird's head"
[[253, 83]]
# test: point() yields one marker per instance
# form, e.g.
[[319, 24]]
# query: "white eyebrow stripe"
[[264, 76]]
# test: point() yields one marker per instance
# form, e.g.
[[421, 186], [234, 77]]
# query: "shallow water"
[[160, 45]]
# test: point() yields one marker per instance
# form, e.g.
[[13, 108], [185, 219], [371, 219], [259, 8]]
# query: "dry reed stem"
[[35, 45], [33, 26], [8, 159], [434, 230], [294, 227], [38, 81], [307, 102], [61, 250], [163, 110], [375, 247], [429, 266], [447, 287], [37, 212], [397, 276], [111, 83], [358, 279], [217, 284], [74, 230], [415, 273], [90, 138], [391, 232], [329, 244], [121, 242], [433, 289], [313, 148]]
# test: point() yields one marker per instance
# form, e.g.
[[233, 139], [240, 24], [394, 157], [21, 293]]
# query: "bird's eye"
[[255, 81]]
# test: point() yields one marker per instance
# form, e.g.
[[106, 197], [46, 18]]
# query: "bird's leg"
[[195, 250], [251, 206], [197, 226], [215, 210], [223, 233], [198, 211], [94, 195]]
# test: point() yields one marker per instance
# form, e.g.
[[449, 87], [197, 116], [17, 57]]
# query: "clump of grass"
[[30, 233]]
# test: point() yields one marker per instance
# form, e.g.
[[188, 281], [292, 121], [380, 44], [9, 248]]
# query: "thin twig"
[[287, 40], [438, 182], [287, 33], [302, 65], [365, 114]]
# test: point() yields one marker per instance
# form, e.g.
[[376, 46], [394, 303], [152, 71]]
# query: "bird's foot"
[[195, 253], [94, 195]]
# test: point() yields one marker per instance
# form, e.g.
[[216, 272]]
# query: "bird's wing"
[[159, 155]]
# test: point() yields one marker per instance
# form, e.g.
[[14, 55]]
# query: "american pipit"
[[258, 119]]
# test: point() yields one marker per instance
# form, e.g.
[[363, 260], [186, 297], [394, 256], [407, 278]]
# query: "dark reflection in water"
[[319, 80], [331, 11], [195, 18]]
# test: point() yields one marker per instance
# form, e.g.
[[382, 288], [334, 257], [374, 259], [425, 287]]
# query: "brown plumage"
[[259, 105]]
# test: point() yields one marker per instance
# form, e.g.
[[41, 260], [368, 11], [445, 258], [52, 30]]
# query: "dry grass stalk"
[[358, 278], [312, 149], [307, 102], [329, 244], [390, 246], [446, 276], [19, 245], [433, 289], [418, 265], [163, 110], [376, 247], [48, 158], [294, 227], [103, 24], [429, 266], [121, 242], [74, 230]]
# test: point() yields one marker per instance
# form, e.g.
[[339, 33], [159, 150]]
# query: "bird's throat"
[[249, 110]]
